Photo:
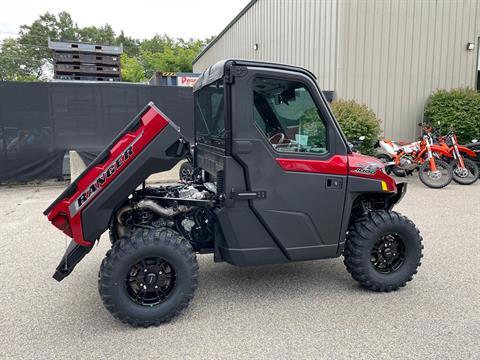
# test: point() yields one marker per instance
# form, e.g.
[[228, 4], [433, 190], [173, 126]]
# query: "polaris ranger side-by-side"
[[279, 184]]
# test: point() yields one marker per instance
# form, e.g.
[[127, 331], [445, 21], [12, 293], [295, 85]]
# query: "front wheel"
[[467, 175], [438, 178], [383, 250], [148, 278], [384, 158]]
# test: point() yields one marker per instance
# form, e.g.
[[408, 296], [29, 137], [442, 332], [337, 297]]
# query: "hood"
[[369, 167]]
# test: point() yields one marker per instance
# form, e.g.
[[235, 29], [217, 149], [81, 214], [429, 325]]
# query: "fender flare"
[[437, 149], [440, 150], [466, 150]]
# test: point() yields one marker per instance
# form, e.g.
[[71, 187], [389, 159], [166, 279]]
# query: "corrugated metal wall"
[[288, 31], [393, 54], [388, 54]]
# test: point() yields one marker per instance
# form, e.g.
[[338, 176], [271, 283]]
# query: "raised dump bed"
[[150, 143]]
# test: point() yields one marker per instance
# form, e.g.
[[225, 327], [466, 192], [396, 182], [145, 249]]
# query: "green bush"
[[458, 109], [357, 120]]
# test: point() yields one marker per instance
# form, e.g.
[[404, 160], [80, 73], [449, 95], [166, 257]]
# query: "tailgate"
[[150, 143]]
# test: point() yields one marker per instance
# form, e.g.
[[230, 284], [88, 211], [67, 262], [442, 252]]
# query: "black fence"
[[40, 122]]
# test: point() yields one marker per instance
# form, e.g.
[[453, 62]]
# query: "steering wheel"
[[280, 141]]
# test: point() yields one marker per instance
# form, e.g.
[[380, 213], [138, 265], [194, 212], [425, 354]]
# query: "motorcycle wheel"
[[436, 179], [384, 158], [465, 176]]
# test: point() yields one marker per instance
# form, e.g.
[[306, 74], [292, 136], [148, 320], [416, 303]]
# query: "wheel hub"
[[462, 172], [150, 281], [388, 253], [437, 174]]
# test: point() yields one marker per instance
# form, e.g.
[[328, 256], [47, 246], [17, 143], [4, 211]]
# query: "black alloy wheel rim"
[[388, 253], [150, 281]]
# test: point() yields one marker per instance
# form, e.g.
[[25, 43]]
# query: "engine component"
[[187, 224], [210, 186], [152, 206], [407, 163]]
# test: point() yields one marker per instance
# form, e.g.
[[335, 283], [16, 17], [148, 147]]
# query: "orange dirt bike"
[[424, 155], [465, 170]]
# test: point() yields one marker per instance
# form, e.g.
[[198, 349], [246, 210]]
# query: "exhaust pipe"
[[153, 207]]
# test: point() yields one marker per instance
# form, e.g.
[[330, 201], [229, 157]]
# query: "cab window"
[[210, 114], [285, 112]]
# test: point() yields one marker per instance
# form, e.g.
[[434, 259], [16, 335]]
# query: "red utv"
[[280, 185]]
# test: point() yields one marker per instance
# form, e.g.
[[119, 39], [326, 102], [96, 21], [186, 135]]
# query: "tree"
[[15, 64], [132, 69], [97, 35], [130, 45], [27, 57]]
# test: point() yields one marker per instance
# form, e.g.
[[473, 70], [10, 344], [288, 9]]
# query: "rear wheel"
[[467, 175], [383, 250], [437, 179], [148, 278], [186, 172]]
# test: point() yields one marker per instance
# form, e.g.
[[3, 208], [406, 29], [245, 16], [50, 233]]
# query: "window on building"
[[287, 115], [210, 114]]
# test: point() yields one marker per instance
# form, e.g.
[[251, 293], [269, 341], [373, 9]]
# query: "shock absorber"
[[433, 166]]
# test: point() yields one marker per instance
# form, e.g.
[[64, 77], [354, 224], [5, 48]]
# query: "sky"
[[139, 19]]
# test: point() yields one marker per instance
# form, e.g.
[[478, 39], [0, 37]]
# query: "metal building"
[[388, 54], [86, 62]]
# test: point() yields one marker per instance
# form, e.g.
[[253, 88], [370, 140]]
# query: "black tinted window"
[[210, 114], [287, 115]]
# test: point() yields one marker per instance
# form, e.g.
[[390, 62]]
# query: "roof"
[[217, 70], [85, 47], [235, 19]]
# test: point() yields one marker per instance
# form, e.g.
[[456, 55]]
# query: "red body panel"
[[354, 164], [336, 165], [435, 148], [127, 148], [358, 163], [465, 150]]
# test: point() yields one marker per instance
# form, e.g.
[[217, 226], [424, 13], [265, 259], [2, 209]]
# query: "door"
[[294, 160]]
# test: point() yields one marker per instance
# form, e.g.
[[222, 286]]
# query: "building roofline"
[[230, 24], [84, 47]]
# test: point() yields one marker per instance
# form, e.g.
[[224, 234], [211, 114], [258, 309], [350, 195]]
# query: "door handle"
[[334, 183]]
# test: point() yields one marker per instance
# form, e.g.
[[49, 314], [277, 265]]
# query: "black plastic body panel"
[[360, 186], [300, 218], [73, 255]]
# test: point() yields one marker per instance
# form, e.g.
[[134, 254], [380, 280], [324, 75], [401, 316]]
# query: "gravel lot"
[[307, 310]]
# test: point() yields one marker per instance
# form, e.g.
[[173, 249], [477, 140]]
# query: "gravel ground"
[[306, 310]]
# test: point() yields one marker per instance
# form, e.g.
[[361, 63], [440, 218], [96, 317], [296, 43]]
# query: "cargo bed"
[[150, 143]]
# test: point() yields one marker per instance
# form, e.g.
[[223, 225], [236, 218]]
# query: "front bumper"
[[73, 255], [395, 198]]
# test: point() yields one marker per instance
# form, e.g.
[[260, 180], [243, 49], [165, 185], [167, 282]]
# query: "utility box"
[[173, 78]]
